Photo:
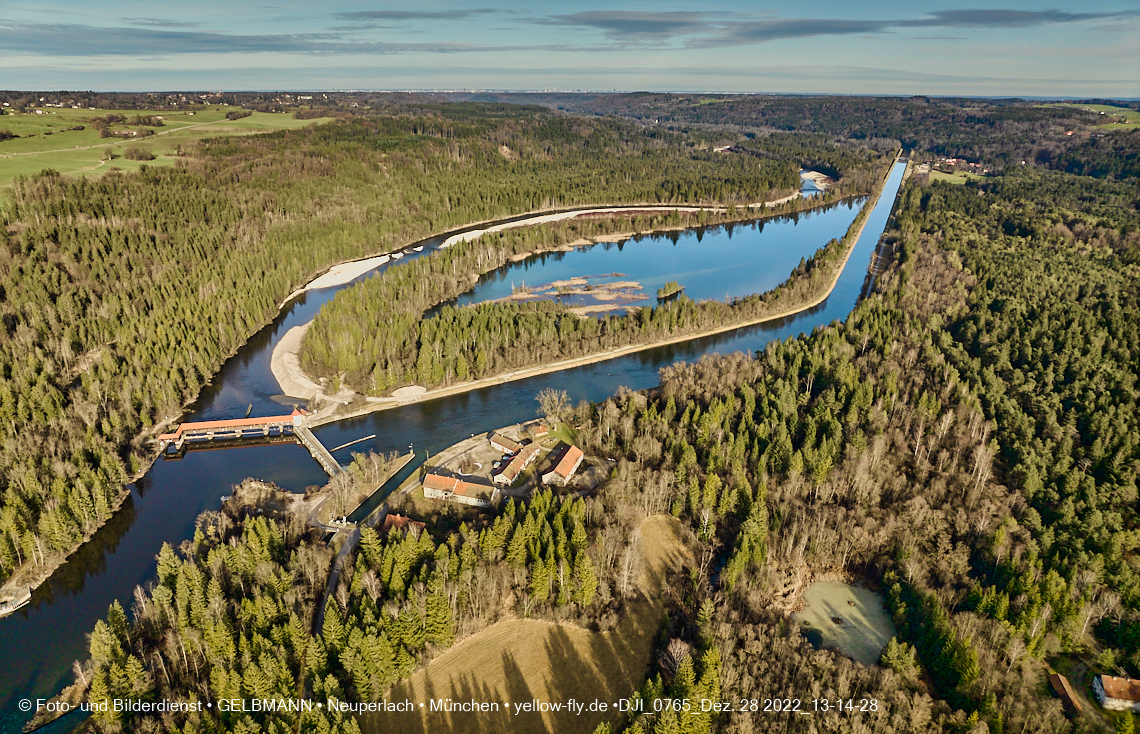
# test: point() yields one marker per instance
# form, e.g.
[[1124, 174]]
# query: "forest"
[[966, 441], [121, 296], [378, 335], [999, 133]]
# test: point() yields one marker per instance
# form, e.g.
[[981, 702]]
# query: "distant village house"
[[1117, 694], [564, 471]]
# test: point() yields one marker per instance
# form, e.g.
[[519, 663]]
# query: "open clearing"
[[46, 142], [954, 178], [1131, 116], [519, 660]]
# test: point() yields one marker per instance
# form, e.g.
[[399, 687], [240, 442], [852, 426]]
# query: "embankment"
[[336, 411]]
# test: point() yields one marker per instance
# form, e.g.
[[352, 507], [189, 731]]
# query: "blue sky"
[[1089, 48]]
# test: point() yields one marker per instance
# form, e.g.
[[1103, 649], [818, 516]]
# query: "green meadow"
[[50, 140], [1130, 116], [959, 177]]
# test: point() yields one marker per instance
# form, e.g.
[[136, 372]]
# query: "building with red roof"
[[1117, 694], [454, 489]]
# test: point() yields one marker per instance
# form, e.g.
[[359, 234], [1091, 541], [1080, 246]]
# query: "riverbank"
[[563, 216], [336, 411], [339, 275], [36, 573]]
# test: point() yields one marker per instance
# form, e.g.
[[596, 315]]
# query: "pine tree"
[[539, 582], [332, 630], [586, 582], [516, 550], [439, 622]]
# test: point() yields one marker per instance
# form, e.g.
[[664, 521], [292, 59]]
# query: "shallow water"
[[864, 628], [716, 263]]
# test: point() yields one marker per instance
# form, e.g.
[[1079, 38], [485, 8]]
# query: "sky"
[[996, 48]]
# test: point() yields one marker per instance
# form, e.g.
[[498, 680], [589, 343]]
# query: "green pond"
[[863, 628]]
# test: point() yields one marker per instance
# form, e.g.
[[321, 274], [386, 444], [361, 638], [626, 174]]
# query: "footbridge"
[[204, 433]]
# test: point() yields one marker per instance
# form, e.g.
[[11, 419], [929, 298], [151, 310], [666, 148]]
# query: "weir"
[[243, 429]]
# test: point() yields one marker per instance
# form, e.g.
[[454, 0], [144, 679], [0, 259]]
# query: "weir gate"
[[270, 429]]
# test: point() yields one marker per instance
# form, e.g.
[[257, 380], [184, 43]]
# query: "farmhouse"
[[504, 444], [1117, 694], [569, 464], [524, 458], [401, 522], [453, 489], [1065, 692]]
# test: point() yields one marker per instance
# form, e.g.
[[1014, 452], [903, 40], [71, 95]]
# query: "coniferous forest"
[[966, 442], [377, 336], [121, 296]]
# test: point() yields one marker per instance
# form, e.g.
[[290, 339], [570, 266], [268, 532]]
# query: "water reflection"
[[39, 643]]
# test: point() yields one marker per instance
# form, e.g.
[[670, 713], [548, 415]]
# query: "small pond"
[[863, 628]]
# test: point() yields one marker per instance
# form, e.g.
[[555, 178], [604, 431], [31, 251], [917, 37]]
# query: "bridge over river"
[[205, 433]]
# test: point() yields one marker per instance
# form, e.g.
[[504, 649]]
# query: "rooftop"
[[569, 461], [401, 522], [1123, 689]]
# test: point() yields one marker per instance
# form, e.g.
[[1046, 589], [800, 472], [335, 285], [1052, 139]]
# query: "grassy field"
[[519, 660], [1131, 116], [49, 140], [960, 177]]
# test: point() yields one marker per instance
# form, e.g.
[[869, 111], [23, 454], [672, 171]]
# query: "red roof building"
[[566, 467], [1117, 694], [524, 458], [504, 444], [401, 522], [454, 489]]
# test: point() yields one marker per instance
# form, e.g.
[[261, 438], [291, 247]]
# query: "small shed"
[[1065, 692]]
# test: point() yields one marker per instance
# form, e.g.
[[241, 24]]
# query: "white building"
[[569, 464], [524, 458], [1117, 694], [454, 489]]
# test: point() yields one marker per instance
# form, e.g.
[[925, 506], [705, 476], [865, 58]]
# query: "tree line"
[[121, 296], [378, 335]]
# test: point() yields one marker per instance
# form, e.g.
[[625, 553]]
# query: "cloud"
[[369, 15], [80, 40], [762, 31], [158, 23], [985, 18], [634, 24]]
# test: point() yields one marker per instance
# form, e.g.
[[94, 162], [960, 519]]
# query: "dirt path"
[[520, 660], [561, 216]]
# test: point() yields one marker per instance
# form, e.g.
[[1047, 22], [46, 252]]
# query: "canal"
[[39, 643]]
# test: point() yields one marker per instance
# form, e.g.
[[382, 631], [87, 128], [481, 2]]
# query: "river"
[[39, 642]]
